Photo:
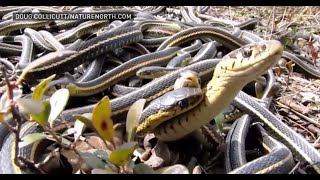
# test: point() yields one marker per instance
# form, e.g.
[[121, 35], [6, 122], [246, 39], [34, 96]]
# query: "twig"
[[294, 168], [230, 13], [15, 114], [301, 115], [58, 139], [316, 141], [310, 26], [301, 127], [304, 10], [8, 126], [219, 150], [31, 165], [269, 18], [53, 154], [284, 14]]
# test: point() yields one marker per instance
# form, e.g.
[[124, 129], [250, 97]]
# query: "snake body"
[[230, 76]]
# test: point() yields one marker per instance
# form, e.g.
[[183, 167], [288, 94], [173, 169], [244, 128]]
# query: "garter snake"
[[237, 68], [301, 61], [120, 90], [121, 72], [38, 40], [186, 95], [151, 72], [232, 42], [240, 71], [82, 29], [208, 51], [182, 59], [160, 31], [119, 106], [217, 34], [27, 50], [85, 51], [9, 49], [12, 25], [278, 161], [52, 40], [279, 158]]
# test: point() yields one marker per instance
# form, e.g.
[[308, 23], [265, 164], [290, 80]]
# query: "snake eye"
[[183, 103], [263, 47], [246, 52]]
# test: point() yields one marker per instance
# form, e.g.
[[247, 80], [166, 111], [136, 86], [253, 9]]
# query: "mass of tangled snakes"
[[189, 68]]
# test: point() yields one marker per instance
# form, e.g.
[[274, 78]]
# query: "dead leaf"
[[92, 160], [294, 105], [160, 156]]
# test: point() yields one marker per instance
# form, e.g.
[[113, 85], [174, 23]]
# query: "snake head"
[[249, 61]]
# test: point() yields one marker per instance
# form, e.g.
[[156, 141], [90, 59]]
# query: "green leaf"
[[42, 118], [175, 169], [121, 155], [219, 121], [85, 119], [102, 121], [133, 118], [289, 66], [294, 29], [142, 168], [41, 88], [104, 155], [101, 154], [58, 102], [31, 138], [92, 159]]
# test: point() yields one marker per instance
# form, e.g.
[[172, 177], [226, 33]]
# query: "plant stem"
[[57, 138], [12, 129], [31, 165], [15, 114]]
